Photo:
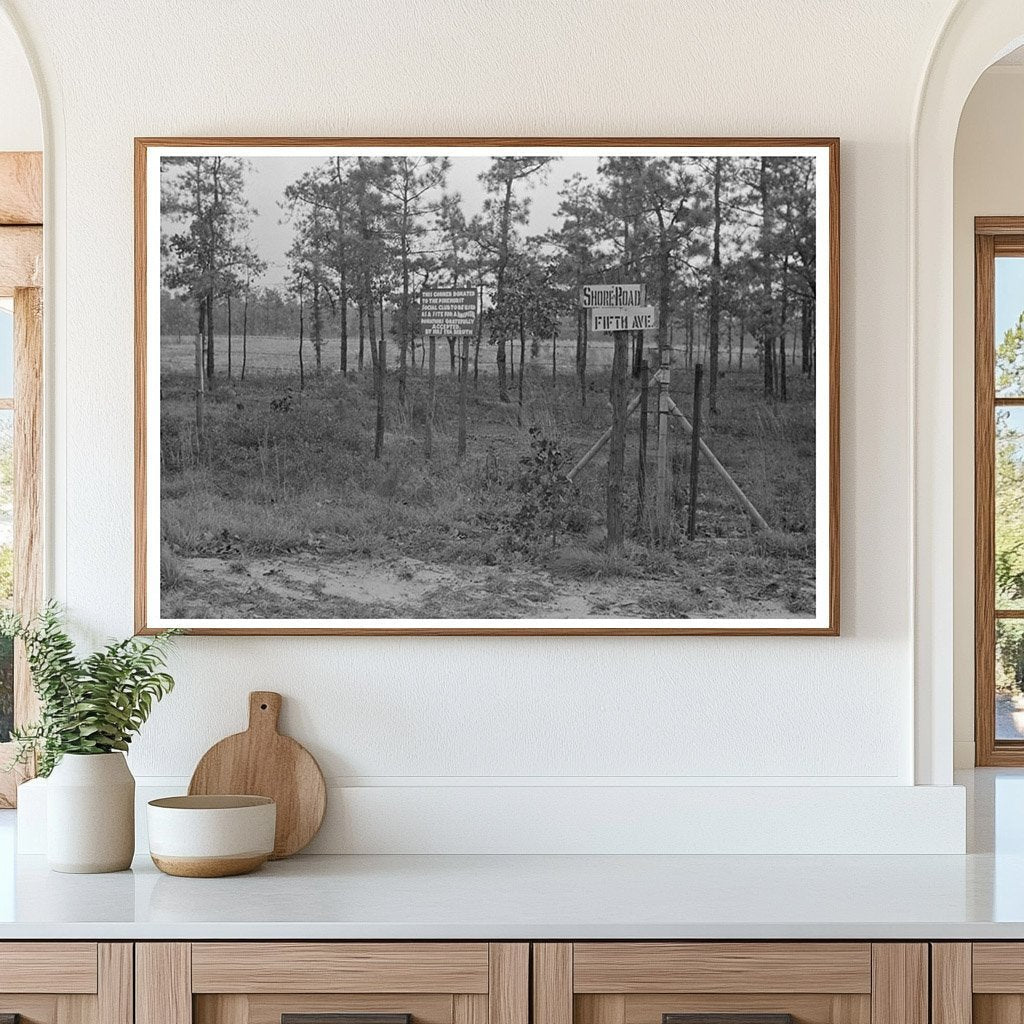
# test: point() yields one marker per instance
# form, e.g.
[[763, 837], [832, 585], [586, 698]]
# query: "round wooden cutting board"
[[262, 762]]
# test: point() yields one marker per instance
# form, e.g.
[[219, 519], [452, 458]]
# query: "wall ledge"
[[548, 819]]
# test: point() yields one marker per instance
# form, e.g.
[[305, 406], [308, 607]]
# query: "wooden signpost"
[[451, 313], [616, 309], [663, 481], [619, 309]]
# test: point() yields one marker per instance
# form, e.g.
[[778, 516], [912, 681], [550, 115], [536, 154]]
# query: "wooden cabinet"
[[978, 983], [750, 982], [494, 983], [307, 982], [66, 982]]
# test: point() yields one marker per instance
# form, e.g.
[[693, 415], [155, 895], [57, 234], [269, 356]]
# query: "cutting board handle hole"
[[263, 707]]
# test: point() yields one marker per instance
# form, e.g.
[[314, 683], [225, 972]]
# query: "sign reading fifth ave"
[[612, 295], [638, 318], [448, 311]]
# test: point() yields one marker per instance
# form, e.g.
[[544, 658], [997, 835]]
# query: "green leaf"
[[90, 705]]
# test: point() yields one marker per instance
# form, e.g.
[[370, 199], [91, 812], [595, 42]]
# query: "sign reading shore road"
[[612, 295], [636, 318], [448, 311]]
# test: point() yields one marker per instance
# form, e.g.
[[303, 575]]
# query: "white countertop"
[[497, 897], [977, 896]]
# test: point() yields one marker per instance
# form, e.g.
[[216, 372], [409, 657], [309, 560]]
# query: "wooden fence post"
[[617, 442], [664, 471], [641, 466], [462, 394], [698, 388]]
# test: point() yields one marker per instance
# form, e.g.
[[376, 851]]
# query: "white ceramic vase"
[[90, 814]]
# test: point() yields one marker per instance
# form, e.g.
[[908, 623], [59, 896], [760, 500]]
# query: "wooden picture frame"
[[824, 621]]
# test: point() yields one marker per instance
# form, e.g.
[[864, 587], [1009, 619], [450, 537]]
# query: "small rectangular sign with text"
[[632, 318], [448, 311], [612, 295]]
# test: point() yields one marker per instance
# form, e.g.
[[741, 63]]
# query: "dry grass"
[[288, 474]]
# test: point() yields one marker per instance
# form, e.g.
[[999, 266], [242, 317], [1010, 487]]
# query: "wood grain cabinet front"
[[730, 983], [332, 983], [66, 982], [978, 983]]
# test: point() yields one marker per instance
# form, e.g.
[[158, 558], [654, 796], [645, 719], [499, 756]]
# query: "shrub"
[[548, 493]]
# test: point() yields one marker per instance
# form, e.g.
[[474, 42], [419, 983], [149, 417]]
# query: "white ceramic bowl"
[[211, 836]]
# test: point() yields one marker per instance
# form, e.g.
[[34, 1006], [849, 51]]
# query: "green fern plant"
[[90, 705]]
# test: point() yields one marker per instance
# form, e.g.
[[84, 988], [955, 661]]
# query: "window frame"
[[21, 272], [993, 237]]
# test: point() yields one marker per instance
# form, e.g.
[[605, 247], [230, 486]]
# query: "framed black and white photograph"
[[487, 386]]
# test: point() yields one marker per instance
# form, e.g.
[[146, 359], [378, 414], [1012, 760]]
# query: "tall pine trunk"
[[806, 327], [499, 291], [209, 338], [302, 336], [362, 334], [200, 385], [479, 337], [317, 338], [583, 360], [339, 214], [783, 312], [378, 370], [245, 331], [403, 339], [212, 273], [767, 317], [715, 298]]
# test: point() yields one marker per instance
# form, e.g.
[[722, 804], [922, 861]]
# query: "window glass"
[[1009, 512], [1009, 679], [1009, 327]]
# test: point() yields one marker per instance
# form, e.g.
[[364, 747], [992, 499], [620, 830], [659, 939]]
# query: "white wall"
[[987, 181], [458, 712], [21, 127]]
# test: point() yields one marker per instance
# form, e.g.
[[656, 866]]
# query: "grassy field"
[[289, 516]]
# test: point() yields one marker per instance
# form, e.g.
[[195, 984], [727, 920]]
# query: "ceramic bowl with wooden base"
[[211, 836]]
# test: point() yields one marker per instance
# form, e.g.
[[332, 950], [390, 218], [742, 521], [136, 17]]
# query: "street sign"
[[630, 318], [448, 311], [612, 295]]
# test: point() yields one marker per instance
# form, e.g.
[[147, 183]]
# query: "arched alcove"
[[21, 123], [975, 35]]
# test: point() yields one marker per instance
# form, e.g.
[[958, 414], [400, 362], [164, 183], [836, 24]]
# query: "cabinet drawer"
[[730, 983], [634, 967], [332, 983], [66, 967], [340, 967], [66, 982]]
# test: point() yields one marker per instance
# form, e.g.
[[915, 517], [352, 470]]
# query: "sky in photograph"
[[272, 232]]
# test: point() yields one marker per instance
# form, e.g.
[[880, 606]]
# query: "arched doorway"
[[975, 35]]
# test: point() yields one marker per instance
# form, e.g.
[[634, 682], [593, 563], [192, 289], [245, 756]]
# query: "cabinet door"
[[65, 983], [980, 982], [730, 983], [332, 983]]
